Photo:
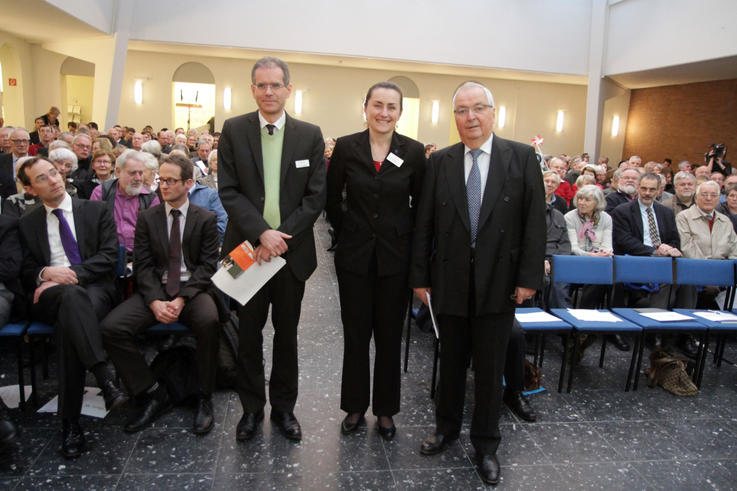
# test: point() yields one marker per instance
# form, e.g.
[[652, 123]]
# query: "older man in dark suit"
[[272, 184], [175, 254], [70, 250], [480, 248]]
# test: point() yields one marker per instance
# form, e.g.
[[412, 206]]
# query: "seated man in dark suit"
[[644, 227], [175, 254], [69, 253]]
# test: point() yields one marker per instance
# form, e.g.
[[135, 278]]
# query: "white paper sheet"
[[92, 404], [531, 317], [666, 316], [250, 279], [432, 316], [11, 395], [589, 315], [716, 316]]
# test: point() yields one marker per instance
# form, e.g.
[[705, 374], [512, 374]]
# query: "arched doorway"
[[409, 122], [77, 90], [193, 91]]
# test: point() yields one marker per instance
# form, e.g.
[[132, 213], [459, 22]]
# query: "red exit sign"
[[12, 82]]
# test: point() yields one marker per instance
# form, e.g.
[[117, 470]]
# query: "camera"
[[716, 150]]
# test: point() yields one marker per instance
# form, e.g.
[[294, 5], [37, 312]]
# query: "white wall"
[[646, 34], [96, 13], [489, 33]]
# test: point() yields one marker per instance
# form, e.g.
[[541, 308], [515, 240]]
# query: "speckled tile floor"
[[596, 437]]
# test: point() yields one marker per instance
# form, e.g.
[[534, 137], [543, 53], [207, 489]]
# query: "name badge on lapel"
[[302, 163], [394, 159]]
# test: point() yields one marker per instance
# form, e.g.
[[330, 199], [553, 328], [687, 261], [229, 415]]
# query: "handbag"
[[669, 371]]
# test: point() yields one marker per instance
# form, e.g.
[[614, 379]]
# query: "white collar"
[[485, 147], [183, 209], [65, 205], [279, 123]]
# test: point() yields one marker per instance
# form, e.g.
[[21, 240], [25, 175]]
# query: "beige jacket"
[[696, 240]]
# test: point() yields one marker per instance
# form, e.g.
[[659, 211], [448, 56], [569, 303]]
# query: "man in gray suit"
[[272, 184], [479, 246]]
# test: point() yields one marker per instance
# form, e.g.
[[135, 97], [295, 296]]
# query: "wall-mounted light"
[[435, 111], [559, 121], [298, 102], [615, 125], [502, 116], [138, 92], [227, 98]]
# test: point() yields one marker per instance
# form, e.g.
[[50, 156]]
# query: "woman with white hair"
[[589, 226], [65, 162], [211, 179]]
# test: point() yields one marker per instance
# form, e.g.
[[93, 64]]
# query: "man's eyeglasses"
[[477, 109], [18, 141], [170, 181], [44, 177], [273, 86]]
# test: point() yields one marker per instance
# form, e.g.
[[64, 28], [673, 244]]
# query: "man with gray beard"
[[684, 184], [626, 187], [126, 195]]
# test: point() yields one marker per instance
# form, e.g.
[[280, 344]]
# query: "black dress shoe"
[[7, 427], [288, 424], [436, 443], [154, 408], [203, 418], [114, 397], [489, 469], [386, 432], [619, 342], [520, 405], [346, 427], [72, 441], [247, 425]]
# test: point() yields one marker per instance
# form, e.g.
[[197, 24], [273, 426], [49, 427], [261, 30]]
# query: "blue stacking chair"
[[540, 329], [590, 270], [647, 269], [15, 331], [713, 272]]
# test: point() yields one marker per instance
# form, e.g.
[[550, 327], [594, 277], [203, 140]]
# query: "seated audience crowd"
[[76, 204]]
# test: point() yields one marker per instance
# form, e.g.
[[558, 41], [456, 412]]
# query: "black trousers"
[[514, 364], [485, 338], [75, 312], [122, 325], [371, 305], [284, 293]]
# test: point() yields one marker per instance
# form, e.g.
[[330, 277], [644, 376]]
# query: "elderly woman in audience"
[[729, 207], [101, 143], [552, 181], [211, 179], [65, 162], [102, 170], [150, 171]]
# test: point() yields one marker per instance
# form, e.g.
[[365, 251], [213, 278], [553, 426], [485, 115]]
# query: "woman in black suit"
[[381, 173]]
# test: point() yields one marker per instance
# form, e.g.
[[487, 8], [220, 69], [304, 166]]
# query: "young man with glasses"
[[175, 254]]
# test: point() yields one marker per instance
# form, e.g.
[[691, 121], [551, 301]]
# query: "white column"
[[595, 94], [121, 33]]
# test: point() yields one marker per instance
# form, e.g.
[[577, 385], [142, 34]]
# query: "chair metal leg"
[[45, 342], [603, 350], [702, 360], [536, 348], [34, 385], [633, 361], [563, 362], [639, 359], [435, 368], [717, 347], [406, 340], [542, 349], [573, 356], [721, 352], [21, 379]]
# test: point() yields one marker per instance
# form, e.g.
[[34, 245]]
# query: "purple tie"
[[68, 242]]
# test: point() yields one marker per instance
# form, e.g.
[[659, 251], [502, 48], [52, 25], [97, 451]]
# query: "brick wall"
[[680, 121]]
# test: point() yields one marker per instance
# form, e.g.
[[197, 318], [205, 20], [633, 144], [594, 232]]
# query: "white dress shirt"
[[484, 161], [646, 224], [58, 256], [279, 123]]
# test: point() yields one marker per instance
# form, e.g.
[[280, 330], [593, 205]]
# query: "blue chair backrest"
[[716, 272], [582, 269], [643, 269]]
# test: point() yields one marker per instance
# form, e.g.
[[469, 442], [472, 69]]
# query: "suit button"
[[501, 230], [442, 203], [506, 199], [376, 195], [261, 198], [375, 215]]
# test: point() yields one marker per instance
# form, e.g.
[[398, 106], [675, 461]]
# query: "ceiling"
[[36, 21], [701, 71]]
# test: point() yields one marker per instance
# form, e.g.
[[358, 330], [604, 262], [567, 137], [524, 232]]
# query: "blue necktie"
[[68, 242], [473, 194]]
